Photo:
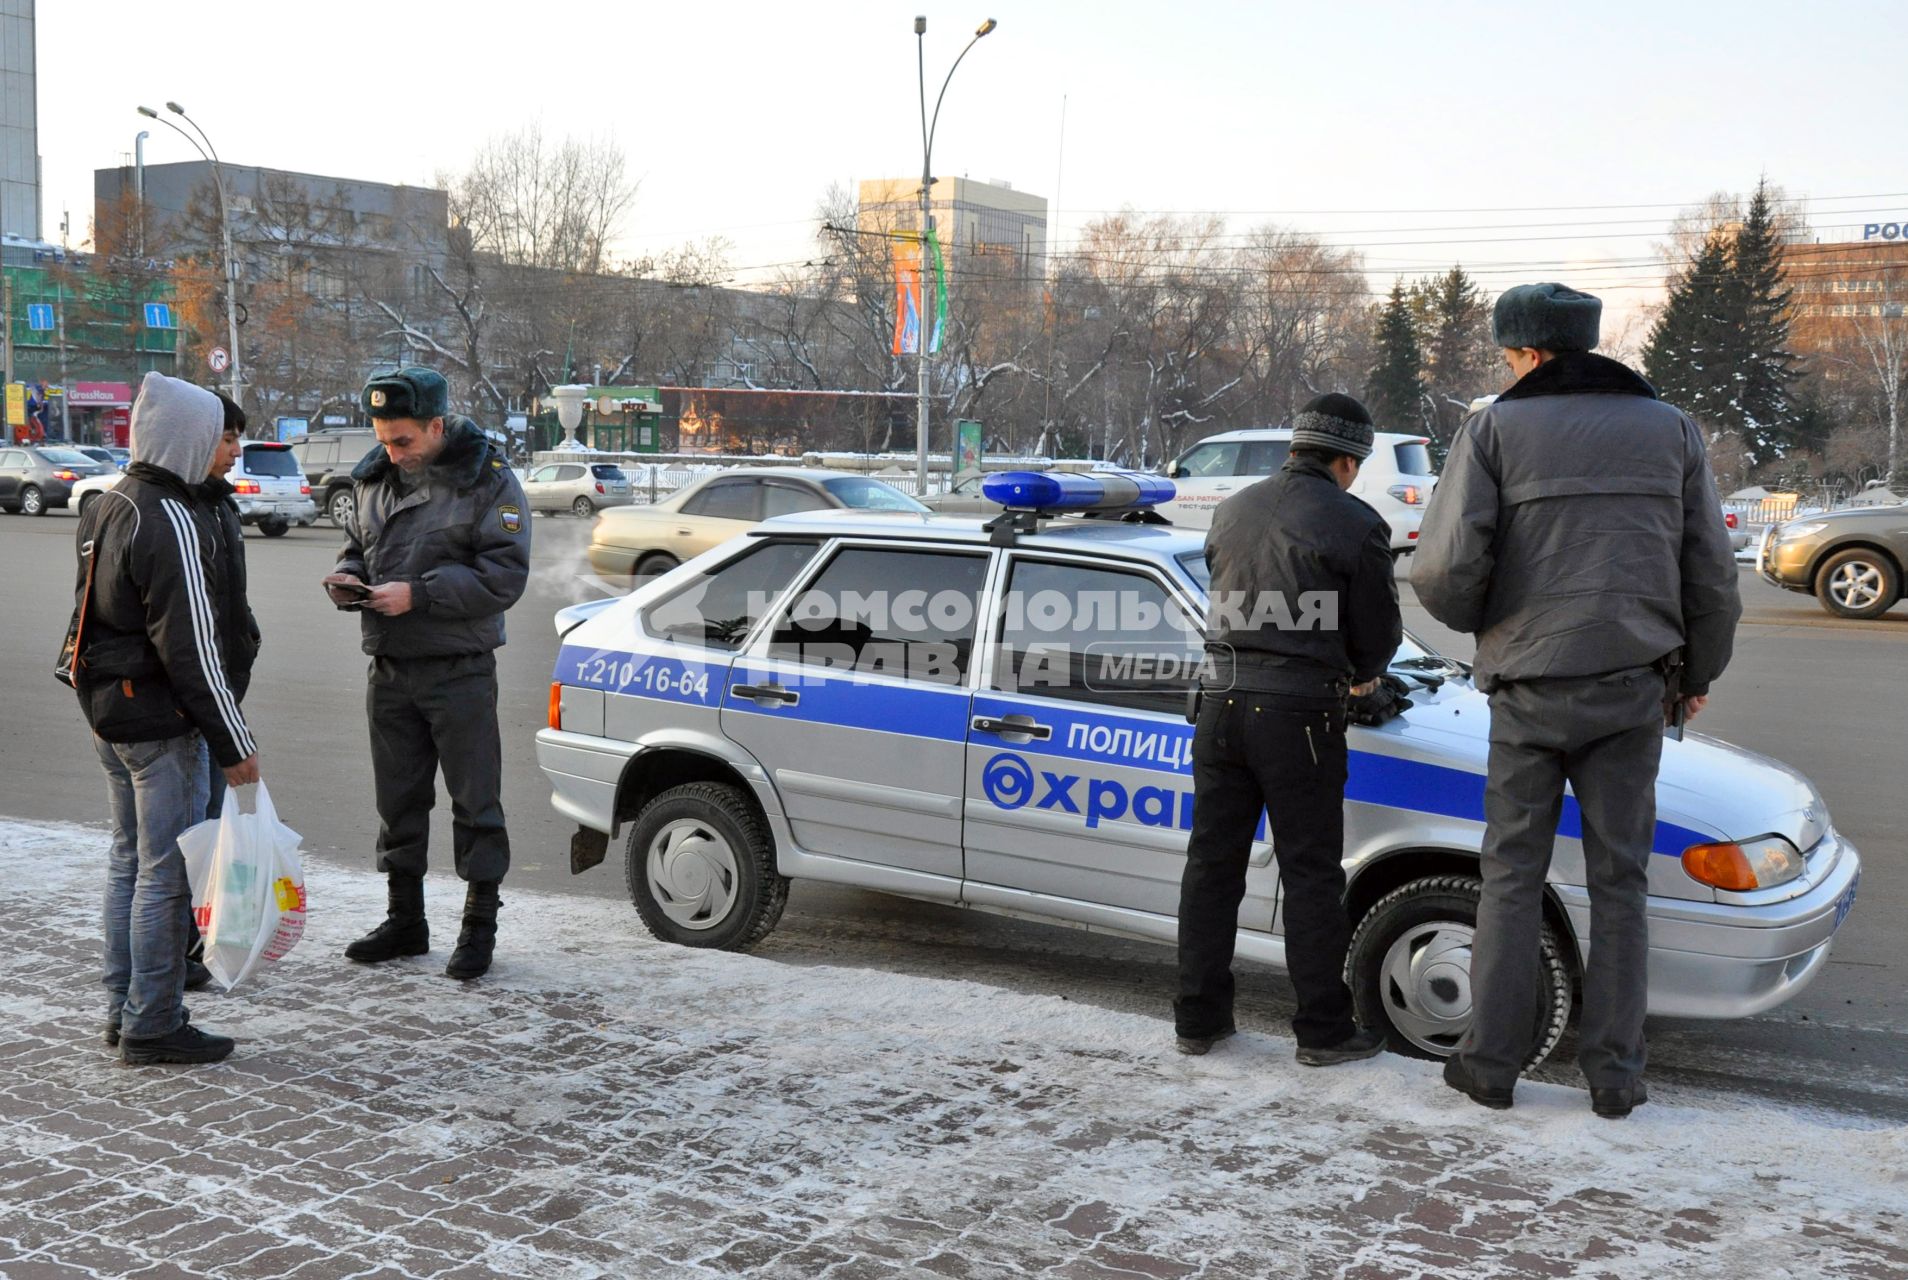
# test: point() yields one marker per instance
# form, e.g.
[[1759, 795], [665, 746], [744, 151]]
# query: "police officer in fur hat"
[[436, 550], [1577, 533], [1303, 612]]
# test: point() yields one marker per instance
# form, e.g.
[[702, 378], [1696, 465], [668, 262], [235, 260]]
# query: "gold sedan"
[[643, 540]]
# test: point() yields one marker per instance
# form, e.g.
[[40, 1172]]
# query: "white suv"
[[1396, 480]]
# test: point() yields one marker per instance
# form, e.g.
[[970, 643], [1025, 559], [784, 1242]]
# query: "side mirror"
[[1175, 472]]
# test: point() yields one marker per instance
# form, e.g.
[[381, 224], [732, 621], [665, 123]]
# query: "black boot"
[[404, 931], [479, 935]]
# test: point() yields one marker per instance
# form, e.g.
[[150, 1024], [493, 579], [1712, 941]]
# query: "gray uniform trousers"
[[427, 712], [1604, 736]]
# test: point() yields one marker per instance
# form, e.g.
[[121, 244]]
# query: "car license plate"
[[1846, 902]]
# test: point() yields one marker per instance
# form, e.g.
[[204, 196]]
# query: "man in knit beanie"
[[1576, 532], [1303, 612], [149, 653]]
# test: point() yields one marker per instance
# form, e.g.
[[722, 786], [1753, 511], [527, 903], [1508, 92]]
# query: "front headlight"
[[1745, 865], [1791, 531]]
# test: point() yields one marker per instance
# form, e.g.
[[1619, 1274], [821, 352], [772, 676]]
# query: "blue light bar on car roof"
[[1069, 491]]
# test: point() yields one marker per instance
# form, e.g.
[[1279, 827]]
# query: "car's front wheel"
[[583, 508], [1858, 583], [701, 868], [32, 501], [1410, 970], [341, 506]]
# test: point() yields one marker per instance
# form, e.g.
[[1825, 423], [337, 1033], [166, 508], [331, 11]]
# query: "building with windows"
[[19, 123], [987, 229], [1846, 280]]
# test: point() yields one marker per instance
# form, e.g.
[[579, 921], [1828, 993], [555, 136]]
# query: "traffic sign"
[[39, 316], [218, 359], [159, 316]]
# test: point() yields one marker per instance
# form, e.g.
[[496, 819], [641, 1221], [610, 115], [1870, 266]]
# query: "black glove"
[[1386, 701]]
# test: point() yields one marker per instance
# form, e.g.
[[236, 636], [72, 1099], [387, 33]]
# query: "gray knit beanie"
[[1549, 317], [1334, 423], [176, 426]]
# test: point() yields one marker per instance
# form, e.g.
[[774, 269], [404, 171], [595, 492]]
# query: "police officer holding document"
[[1576, 531], [1303, 612], [435, 552]]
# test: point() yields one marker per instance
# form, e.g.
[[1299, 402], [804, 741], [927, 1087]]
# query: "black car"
[[34, 478]]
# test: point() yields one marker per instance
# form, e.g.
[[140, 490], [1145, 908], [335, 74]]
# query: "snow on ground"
[[640, 1109]]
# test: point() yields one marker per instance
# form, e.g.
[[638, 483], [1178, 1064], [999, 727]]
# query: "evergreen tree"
[[1394, 391], [1765, 409], [1687, 356], [1454, 323]]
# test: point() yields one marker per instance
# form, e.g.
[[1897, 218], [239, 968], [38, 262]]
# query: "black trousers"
[[1253, 754], [427, 712]]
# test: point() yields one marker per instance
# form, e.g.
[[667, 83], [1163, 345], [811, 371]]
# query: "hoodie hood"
[[176, 427]]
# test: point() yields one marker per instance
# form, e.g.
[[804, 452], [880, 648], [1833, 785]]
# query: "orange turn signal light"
[[1723, 866], [556, 709]]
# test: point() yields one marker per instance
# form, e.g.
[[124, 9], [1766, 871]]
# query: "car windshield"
[[68, 458], [271, 462], [870, 495], [1413, 653]]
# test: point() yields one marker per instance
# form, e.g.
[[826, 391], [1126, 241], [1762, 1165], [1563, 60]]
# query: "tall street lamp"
[[927, 224], [210, 155]]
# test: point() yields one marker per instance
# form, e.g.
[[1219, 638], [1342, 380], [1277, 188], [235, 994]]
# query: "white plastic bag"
[[248, 886]]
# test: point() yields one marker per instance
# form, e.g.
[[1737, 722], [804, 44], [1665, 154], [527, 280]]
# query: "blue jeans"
[[150, 787], [208, 794]]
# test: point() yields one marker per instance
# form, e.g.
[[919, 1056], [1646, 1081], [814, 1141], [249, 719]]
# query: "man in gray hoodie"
[[151, 656], [1576, 532]]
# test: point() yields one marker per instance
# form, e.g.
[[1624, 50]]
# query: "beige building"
[[983, 226]]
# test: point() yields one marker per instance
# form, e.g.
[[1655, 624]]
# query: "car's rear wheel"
[[1858, 583], [1410, 970], [32, 501], [274, 528], [341, 506], [654, 563], [583, 508], [701, 868]]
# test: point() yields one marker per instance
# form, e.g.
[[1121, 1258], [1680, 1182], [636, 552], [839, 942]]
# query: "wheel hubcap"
[[1856, 585], [692, 873], [342, 508], [1425, 983], [31, 504]]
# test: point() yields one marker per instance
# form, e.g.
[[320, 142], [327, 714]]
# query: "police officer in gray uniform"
[[436, 550], [1576, 531]]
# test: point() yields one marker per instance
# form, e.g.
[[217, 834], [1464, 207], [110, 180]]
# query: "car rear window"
[[68, 458], [871, 495], [271, 460], [606, 471], [1414, 459], [719, 609]]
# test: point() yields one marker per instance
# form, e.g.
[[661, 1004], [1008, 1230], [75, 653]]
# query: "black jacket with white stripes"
[[159, 654]]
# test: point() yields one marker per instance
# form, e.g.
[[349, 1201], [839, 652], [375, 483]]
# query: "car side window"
[[541, 474], [887, 611], [718, 609], [1216, 458], [569, 472], [12, 460], [1110, 636], [1263, 457], [727, 500], [780, 498]]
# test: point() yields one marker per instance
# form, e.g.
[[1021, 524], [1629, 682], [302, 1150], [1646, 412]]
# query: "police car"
[[993, 715]]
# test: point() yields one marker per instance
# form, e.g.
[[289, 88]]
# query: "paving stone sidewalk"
[[602, 1105]]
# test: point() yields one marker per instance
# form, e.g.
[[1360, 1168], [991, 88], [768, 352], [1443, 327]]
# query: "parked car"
[[326, 458], [1852, 561], [100, 453], [269, 488], [962, 498], [1396, 480], [36, 478], [934, 709], [637, 541], [577, 487], [87, 491]]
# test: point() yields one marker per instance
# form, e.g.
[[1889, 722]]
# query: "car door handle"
[[766, 693], [1013, 724]]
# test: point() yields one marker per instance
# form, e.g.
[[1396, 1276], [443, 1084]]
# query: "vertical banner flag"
[[940, 292], [907, 296]]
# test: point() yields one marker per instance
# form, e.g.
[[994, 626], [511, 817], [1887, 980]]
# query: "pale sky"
[[1495, 134]]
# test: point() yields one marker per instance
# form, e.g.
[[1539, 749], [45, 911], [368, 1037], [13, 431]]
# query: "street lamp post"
[[210, 155], [927, 224]]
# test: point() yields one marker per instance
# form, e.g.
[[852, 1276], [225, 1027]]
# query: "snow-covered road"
[[606, 1105]]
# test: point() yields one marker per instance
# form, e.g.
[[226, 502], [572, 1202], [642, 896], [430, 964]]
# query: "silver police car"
[[993, 716]]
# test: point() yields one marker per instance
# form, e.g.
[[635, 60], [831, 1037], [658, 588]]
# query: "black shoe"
[[1359, 1045], [187, 1045], [478, 938], [1459, 1077], [198, 977], [1200, 1046], [1614, 1104], [403, 932], [111, 1030]]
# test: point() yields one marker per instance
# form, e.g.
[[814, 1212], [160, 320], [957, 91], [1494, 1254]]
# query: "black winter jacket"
[[1302, 598], [159, 649], [461, 538], [243, 626]]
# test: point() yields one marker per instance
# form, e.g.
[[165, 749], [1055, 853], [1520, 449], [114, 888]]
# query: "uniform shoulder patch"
[[496, 464], [511, 517]]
